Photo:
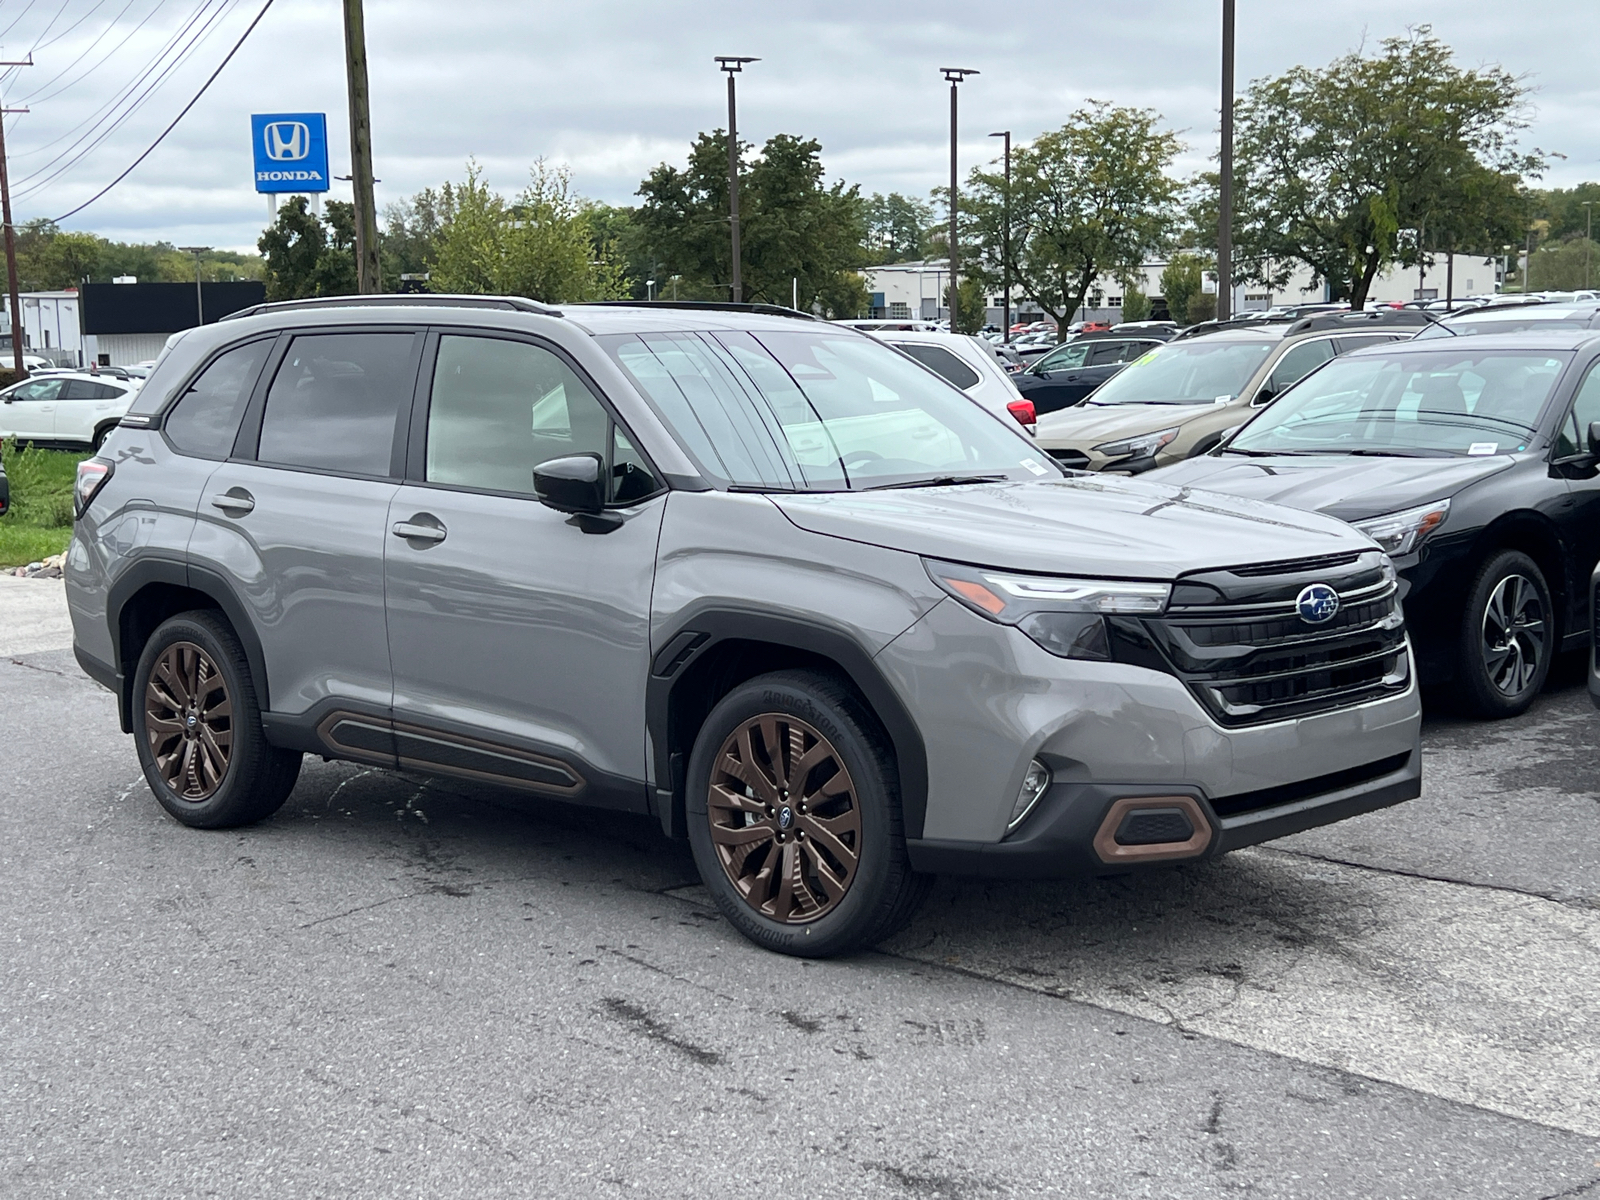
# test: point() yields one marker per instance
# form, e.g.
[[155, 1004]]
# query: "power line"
[[26, 9], [151, 149], [94, 8], [37, 98]]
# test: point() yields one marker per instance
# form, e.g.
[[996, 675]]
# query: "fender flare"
[[699, 630]]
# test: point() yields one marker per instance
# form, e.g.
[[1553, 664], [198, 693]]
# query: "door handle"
[[236, 502], [415, 531]]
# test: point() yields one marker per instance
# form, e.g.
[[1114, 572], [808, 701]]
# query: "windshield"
[[1442, 402], [1199, 372], [815, 410], [1514, 321]]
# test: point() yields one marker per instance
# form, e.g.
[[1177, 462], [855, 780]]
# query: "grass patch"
[[39, 523]]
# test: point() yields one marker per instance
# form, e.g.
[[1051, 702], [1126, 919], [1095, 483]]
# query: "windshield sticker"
[[1033, 465], [1222, 400], [1483, 447]]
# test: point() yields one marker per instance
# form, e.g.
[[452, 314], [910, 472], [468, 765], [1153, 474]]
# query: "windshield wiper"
[[940, 481], [1407, 452]]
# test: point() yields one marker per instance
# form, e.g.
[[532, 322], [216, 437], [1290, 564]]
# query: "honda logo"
[[286, 141]]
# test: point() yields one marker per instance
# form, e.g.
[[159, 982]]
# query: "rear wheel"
[[1507, 635], [794, 817], [197, 724]]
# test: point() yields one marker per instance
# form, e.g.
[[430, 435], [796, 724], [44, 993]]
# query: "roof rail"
[[1332, 322], [401, 300], [770, 310]]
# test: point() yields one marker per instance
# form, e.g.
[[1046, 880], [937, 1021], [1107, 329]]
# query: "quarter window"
[[334, 401], [206, 419]]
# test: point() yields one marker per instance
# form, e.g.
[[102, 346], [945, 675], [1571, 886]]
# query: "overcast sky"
[[612, 87]]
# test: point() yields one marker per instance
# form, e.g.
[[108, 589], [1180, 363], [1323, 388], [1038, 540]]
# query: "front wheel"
[[794, 818], [1507, 636]]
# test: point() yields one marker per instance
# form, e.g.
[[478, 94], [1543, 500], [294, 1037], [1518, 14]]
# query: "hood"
[[1088, 425], [1350, 488], [1102, 525]]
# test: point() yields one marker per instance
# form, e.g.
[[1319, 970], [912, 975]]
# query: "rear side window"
[[942, 362], [334, 401], [206, 420], [87, 389]]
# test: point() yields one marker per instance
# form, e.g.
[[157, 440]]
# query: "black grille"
[[1295, 566], [1251, 663], [1074, 460]]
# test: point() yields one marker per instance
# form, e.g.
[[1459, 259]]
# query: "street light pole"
[[11, 235], [1588, 238], [1225, 190], [954, 76], [733, 64], [1005, 244], [199, 299]]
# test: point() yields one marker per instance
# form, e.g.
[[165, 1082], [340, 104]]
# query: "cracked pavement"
[[402, 987]]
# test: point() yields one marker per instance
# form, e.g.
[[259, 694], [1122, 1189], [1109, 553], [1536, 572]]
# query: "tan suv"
[[1183, 398]]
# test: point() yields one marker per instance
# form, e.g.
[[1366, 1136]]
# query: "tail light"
[[1022, 410], [92, 476]]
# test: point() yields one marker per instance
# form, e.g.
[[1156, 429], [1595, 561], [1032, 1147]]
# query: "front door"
[[295, 522], [29, 410], [520, 635]]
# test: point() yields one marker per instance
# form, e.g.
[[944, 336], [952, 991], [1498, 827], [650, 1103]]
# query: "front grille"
[[1073, 460], [1295, 566], [1253, 662]]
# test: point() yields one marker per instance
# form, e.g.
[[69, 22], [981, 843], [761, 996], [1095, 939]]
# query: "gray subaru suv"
[[758, 577]]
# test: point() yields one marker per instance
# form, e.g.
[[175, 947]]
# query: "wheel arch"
[[152, 590], [713, 651], [1536, 536]]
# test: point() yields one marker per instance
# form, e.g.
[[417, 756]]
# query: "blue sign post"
[[291, 152]]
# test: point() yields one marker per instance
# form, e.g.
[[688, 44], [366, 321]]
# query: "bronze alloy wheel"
[[1513, 634], [784, 818], [188, 717]]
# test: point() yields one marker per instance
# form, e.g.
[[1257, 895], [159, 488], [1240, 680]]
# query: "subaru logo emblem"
[[785, 817], [286, 141], [1317, 603]]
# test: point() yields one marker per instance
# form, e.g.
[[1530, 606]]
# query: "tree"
[[1562, 266], [798, 234], [1182, 280], [410, 232], [293, 246], [1092, 198], [1135, 304], [1372, 160], [970, 312], [897, 227], [539, 245]]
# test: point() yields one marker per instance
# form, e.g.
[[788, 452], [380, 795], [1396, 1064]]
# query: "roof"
[[1529, 339]]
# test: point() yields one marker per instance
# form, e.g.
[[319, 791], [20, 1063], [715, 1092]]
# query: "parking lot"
[[399, 986]]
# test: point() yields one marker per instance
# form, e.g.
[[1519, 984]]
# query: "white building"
[[917, 289], [50, 326]]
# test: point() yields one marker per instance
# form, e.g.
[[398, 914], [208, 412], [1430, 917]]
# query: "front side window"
[[1573, 437], [1063, 358], [207, 416], [1297, 363], [1445, 402], [37, 389], [499, 408], [1201, 371], [817, 411], [334, 402]]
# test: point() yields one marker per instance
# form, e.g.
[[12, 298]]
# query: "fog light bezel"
[[1036, 782]]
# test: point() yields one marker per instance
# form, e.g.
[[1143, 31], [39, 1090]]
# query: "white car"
[[73, 409], [968, 362]]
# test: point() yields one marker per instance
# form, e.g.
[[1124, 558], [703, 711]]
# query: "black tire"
[[195, 658], [1508, 636], [883, 893], [100, 436]]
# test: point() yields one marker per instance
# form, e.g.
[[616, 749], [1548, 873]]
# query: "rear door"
[[295, 521], [84, 405], [519, 634], [29, 410]]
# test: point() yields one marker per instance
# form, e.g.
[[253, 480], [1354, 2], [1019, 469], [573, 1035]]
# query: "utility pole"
[[199, 297], [1005, 244], [1225, 190], [954, 76], [733, 64], [11, 234], [368, 279], [1588, 239]]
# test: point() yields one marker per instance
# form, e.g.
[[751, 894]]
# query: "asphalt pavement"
[[404, 987]]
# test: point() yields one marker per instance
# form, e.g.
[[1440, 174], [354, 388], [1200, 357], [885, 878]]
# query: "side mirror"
[[574, 484], [1594, 438]]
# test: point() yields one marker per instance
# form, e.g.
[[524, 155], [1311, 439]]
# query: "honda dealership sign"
[[291, 151]]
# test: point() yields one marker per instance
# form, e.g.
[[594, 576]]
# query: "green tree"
[[540, 245], [410, 233], [1183, 279], [1372, 160], [797, 233], [296, 248], [1092, 198], [1562, 266], [969, 312], [897, 227], [1135, 304]]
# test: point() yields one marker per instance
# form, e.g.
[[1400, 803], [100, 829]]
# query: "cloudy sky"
[[612, 87]]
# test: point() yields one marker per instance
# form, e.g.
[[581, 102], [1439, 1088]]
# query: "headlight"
[[1144, 446], [1402, 532], [1062, 615]]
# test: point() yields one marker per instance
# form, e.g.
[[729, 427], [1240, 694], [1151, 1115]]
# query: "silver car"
[[758, 578]]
